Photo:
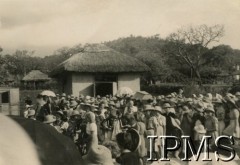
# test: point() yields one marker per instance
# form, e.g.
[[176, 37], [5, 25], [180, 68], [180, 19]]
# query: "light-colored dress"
[[91, 127], [152, 125], [220, 114], [211, 124], [233, 128], [160, 129], [141, 128], [153, 129]]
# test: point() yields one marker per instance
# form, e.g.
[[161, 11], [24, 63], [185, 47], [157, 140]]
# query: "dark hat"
[[166, 105], [132, 137], [209, 108]]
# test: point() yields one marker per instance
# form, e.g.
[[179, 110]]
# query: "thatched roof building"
[[99, 58], [35, 80], [99, 66], [36, 75]]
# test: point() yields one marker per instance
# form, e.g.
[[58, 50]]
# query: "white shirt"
[[91, 127], [133, 109]]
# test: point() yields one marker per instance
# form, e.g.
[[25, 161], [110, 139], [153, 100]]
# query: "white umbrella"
[[48, 93], [125, 91], [142, 95]]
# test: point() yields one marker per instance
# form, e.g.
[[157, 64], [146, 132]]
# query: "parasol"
[[48, 93], [125, 91], [142, 95], [52, 147]]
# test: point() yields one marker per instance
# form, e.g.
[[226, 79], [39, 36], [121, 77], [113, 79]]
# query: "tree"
[[20, 63], [60, 55], [189, 45]]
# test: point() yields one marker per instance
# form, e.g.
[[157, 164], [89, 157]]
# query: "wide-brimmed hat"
[[237, 94], [199, 106], [200, 129], [75, 113], [188, 100], [158, 108], [49, 119], [229, 98], [63, 95], [112, 103], [217, 101], [114, 98], [98, 97], [81, 96], [149, 107], [158, 97], [73, 103], [209, 108], [169, 96], [98, 155], [87, 97], [94, 108], [207, 99], [31, 112], [166, 105], [60, 113]]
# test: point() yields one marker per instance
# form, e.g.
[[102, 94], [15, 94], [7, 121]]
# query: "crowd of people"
[[119, 125]]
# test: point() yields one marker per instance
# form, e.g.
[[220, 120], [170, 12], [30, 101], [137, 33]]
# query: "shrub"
[[188, 89]]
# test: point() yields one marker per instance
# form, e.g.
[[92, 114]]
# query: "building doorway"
[[105, 84], [103, 89]]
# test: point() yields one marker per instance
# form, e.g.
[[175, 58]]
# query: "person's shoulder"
[[129, 155]]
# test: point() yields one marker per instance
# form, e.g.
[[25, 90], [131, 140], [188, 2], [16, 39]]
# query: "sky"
[[47, 25]]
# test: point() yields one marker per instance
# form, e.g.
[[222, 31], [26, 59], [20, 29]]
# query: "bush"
[[160, 90], [234, 89], [188, 89]]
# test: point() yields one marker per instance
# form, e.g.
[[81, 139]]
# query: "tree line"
[[189, 55]]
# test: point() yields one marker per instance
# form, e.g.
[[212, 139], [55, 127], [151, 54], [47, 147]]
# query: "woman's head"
[[124, 140]]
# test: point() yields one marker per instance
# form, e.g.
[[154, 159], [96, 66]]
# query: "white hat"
[[31, 112], [200, 129], [49, 119]]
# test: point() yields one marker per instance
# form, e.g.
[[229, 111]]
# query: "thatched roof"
[[36, 75], [98, 58]]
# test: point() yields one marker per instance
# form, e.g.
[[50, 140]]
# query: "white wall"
[[83, 84], [131, 80]]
